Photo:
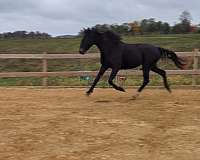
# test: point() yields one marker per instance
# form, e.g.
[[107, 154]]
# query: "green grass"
[[14, 45], [182, 42], [76, 81], [20, 81], [177, 42]]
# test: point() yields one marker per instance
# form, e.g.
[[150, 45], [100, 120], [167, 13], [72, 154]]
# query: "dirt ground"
[[64, 124]]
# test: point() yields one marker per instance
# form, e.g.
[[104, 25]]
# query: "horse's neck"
[[101, 47], [105, 47]]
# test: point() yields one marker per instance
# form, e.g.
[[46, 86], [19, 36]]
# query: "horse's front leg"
[[99, 75], [110, 81]]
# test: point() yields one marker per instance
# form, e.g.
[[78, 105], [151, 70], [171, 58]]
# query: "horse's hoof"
[[88, 93], [135, 96], [169, 90], [121, 89]]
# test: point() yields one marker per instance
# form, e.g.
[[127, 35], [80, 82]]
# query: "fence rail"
[[73, 56], [47, 56]]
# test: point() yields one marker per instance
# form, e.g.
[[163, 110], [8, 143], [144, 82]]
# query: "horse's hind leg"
[[110, 81], [145, 78], [145, 81], [163, 74]]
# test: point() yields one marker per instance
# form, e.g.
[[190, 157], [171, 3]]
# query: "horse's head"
[[89, 39]]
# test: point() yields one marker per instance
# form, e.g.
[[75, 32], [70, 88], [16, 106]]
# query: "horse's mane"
[[112, 36], [107, 34]]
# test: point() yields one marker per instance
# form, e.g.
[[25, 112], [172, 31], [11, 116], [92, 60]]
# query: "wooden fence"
[[45, 74]]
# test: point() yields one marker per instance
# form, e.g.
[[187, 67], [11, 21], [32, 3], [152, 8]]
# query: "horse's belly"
[[129, 66], [129, 63]]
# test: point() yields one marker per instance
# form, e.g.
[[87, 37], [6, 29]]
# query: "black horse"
[[117, 55]]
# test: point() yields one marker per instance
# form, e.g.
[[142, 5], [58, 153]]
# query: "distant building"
[[193, 28], [135, 27]]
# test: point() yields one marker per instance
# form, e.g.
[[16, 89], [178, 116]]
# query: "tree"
[[31, 34], [151, 26], [24, 34], [120, 29], [185, 17], [165, 28], [198, 28], [19, 34], [185, 24]]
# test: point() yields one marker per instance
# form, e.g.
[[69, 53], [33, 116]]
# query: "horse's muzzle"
[[81, 51]]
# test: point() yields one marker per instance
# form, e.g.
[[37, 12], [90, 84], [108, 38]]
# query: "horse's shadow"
[[103, 101], [116, 100]]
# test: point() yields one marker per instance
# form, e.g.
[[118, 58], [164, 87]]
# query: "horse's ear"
[[86, 30]]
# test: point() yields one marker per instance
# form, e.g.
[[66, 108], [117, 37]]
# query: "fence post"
[[195, 66], [44, 69], [121, 80]]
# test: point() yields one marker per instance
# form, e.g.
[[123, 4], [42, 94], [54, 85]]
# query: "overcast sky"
[[59, 17]]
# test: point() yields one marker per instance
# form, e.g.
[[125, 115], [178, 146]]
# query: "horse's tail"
[[179, 62]]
